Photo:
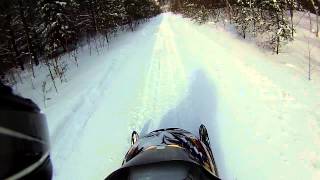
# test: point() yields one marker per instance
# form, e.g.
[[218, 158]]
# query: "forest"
[[41, 31], [271, 20], [35, 31]]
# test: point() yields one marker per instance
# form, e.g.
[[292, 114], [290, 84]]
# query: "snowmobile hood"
[[169, 145]]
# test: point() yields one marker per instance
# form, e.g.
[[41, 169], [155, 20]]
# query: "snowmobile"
[[171, 153]]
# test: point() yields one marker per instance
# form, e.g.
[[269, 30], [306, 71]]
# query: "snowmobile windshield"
[[163, 170], [166, 171]]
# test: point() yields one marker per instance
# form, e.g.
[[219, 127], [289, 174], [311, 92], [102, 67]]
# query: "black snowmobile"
[[168, 154]]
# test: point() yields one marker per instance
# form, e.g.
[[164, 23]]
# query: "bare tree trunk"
[[317, 21], [291, 8], [32, 69], [74, 54], [244, 33], [51, 75], [107, 38], [89, 44], [229, 10], [96, 45], [310, 22], [291, 19], [309, 56], [32, 83], [277, 35], [316, 9], [58, 70], [44, 93]]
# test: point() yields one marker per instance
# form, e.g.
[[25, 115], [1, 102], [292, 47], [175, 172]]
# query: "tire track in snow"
[[68, 135], [166, 79], [107, 133], [64, 142]]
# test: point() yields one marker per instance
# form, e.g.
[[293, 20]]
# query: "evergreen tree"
[[58, 27], [113, 15], [33, 29], [250, 17], [10, 49], [277, 22], [27, 21]]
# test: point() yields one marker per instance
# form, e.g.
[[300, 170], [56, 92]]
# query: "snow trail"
[[261, 116], [265, 108]]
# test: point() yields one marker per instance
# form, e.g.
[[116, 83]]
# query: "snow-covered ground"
[[261, 111]]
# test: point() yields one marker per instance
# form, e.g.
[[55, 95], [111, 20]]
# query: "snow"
[[260, 109]]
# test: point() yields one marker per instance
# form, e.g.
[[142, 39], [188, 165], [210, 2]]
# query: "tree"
[[277, 22], [292, 5], [113, 15], [25, 9], [33, 30], [9, 26], [140, 10], [316, 10], [58, 26]]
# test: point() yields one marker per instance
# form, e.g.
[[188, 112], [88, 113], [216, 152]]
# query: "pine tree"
[[277, 22], [27, 19], [242, 16], [9, 31], [58, 25], [113, 15]]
